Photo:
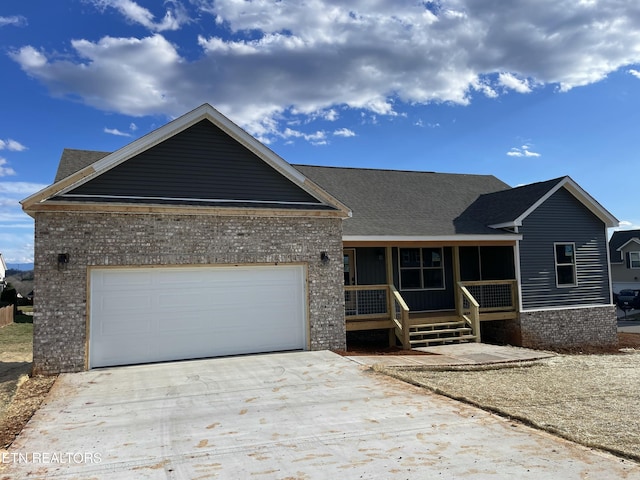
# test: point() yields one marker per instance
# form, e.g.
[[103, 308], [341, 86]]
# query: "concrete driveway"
[[301, 415]]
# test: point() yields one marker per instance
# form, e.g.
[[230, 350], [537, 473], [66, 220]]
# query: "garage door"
[[142, 315]]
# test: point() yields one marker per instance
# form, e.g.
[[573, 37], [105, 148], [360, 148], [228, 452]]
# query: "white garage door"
[[141, 315]]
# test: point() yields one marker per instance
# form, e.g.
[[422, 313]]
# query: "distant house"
[[3, 273], [196, 240], [624, 251]]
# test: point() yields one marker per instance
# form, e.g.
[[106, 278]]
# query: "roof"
[[509, 208], [73, 161], [394, 203], [385, 204], [619, 240]]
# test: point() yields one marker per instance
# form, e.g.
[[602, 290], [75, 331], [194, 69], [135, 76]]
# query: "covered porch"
[[430, 293]]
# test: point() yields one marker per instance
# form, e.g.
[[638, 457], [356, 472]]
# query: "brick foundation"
[[569, 328]]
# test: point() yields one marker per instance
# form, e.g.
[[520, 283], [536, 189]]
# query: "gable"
[[200, 159], [200, 165]]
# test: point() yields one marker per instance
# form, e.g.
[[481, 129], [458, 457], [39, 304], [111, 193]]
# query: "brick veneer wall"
[[570, 328], [60, 295]]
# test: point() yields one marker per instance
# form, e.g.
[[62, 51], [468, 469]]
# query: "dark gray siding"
[[425, 300], [562, 218], [370, 266], [202, 162]]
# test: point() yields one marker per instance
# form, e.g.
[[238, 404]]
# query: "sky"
[[526, 90]]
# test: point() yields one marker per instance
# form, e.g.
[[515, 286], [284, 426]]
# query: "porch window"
[[634, 259], [565, 264], [421, 268]]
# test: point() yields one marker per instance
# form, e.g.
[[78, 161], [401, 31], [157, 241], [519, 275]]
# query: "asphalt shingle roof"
[[73, 161], [398, 203], [618, 239]]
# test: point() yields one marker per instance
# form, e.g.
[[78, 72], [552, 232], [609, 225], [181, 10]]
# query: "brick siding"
[[60, 295], [569, 328]]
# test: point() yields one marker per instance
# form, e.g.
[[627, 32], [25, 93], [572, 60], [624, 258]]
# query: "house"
[[3, 273], [624, 251], [196, 240]]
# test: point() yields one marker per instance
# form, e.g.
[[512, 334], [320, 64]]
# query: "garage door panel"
[[160, 314]]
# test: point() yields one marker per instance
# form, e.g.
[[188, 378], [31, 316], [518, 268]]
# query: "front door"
[[350, 298]]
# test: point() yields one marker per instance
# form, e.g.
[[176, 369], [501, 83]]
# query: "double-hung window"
[[634, 259], [421, 268], [565, 264]]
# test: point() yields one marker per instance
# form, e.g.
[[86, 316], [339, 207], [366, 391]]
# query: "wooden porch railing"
[[369, 307], [377, 306], [468, 309], [400, 317]]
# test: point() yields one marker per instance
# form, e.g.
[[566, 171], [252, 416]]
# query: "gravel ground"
[[589, 399]]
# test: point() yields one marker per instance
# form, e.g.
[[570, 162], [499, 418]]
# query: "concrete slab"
[[456, 354], [303, 415]]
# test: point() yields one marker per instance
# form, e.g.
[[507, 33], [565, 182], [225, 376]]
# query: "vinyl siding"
[[563, 219], [202, 162]]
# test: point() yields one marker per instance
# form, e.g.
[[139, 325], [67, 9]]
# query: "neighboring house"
[[3, 273], [196, 240], [624, 251]]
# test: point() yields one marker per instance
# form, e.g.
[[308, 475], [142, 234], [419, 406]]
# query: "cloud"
[[316, 138], [266, 63], [634, 72], [344, 132], [5, 171], [523, 151], [15, 20], [510, 81], [115, 131], [173, 19], [11, 145], [19, 189]]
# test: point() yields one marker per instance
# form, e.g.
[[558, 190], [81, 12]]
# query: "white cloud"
[[20, 189], [634, 72], [316, 138], [115, 131], [523, 151], [510, 81], [173, 18], [16, 227], [268, 61], [11, 145], [344, 132], [133, 127], [15, 20], [5, 170]]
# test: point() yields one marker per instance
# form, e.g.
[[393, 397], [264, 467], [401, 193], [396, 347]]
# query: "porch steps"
[[424, 335]]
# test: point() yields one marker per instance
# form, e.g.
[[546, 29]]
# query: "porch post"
[[456, 279], [389, 272]]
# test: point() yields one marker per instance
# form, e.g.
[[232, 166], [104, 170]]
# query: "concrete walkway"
[[303, 415], [456, 354]]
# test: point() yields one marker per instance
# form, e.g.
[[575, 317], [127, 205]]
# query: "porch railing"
[[494, 295], [370, 303], [468, 309]]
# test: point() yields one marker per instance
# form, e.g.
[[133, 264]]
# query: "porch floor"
[[457, 354]]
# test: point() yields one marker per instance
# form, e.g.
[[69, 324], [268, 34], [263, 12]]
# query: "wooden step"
[[433, 341], [433, 325], [421, 333]]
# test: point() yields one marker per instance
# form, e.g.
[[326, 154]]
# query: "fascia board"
[[430, 238]]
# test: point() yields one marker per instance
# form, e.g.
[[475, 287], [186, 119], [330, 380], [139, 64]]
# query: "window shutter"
[[627, 257]]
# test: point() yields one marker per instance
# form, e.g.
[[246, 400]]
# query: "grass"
[[16, 339]]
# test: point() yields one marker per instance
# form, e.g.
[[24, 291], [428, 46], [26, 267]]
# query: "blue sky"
[[526, 90]]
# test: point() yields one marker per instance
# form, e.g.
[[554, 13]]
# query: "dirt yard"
[[20, 395], [590, 399]]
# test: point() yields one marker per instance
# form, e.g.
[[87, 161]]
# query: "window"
[[421, 268], [634, 259], [565, 264]]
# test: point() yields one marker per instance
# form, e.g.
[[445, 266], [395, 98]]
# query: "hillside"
[[22, 280]]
